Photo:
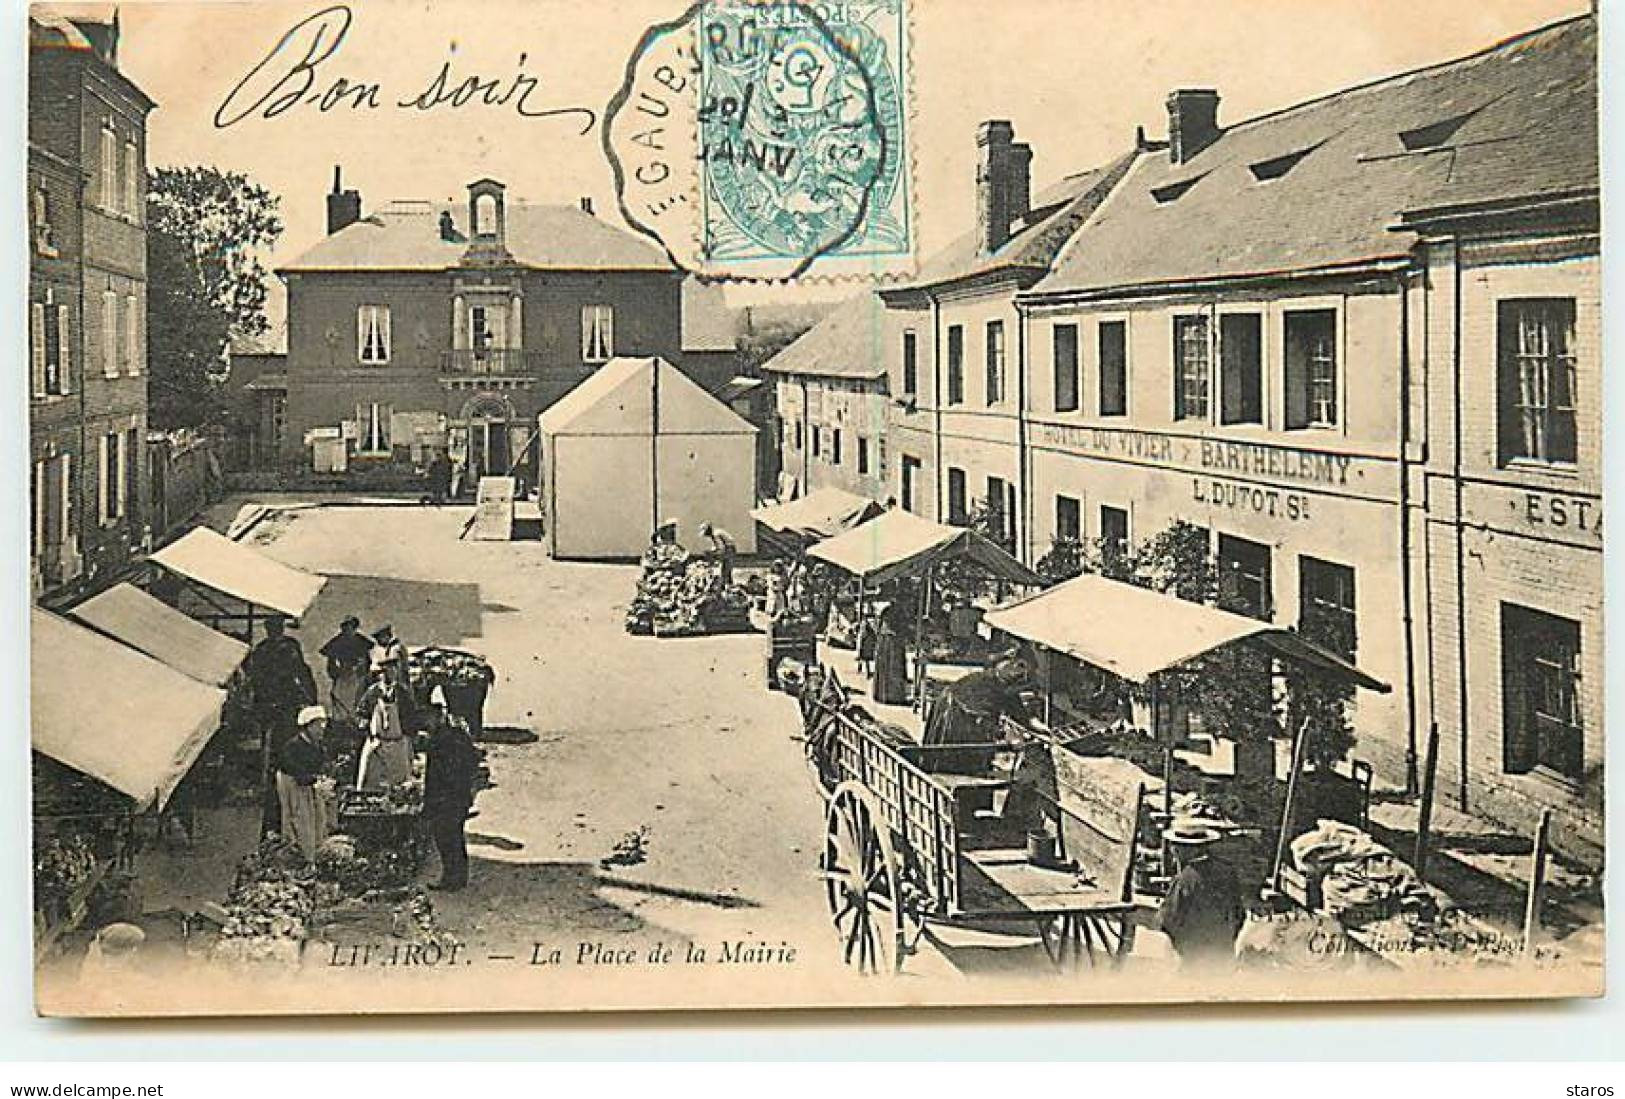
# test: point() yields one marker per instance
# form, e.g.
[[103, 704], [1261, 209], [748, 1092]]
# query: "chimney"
[[343, 207], [1193, 122], [1003, 171], [586, 204]]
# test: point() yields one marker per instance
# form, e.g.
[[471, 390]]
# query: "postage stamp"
[[792, 125]]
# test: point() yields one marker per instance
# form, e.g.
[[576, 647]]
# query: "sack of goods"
[[1360, 879]]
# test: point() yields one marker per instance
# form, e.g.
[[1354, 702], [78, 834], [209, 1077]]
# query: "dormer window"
[[1277, 166], [1434, 135], [1169, 192]]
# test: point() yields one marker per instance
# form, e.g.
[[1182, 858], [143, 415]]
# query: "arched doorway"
[[489, 417]]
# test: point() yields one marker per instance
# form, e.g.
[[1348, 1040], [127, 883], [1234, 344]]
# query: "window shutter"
[[120, 490], [459, 324], [67, 500], [36, 344], [64, 357], [132, 336], [383, 321], [101, 479], [109, 334], [1509, 427], [516, 324]]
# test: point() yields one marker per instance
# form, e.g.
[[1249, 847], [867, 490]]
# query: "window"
[[1190, 368], [130, 466], [110, 342], [372, 428], [800, 441], [110, 477], [1535, 347], [817, 441], [1065, 342], [597, 333], [44, 233], [1326, 605], [995, 362], [863, 456], [1310, 339], [1241, 369], [48, 322], [910, 482], [958, 512], [956, 364], [1001, 509], [1540, 693], [372, 334], [1068, 518], [132, 336], [40, 503], [911, 365], [107, 166], [1112, 338], [835, 446], [1244, 577], [132, 179], [1113, 531]]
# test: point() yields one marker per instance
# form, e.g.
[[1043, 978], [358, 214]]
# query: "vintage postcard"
[[560, 506]]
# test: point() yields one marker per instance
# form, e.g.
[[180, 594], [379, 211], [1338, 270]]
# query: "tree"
[[206, 286]]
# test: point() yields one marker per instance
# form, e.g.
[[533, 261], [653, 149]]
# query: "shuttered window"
[[132, 336], [110, 341]]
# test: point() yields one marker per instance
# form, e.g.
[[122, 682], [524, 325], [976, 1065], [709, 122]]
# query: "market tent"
[[638, 443], [899, 543], [231, 568], [111, 713], [126, 613], [821, 514], [1135, 633]]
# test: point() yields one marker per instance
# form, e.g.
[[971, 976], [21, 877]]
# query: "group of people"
[[370, 703], [722, 548]]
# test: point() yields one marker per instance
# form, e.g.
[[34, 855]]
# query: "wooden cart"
[[912, 843]]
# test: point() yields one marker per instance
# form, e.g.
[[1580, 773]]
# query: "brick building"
[[425, 327], [830, 403], [87, 303]]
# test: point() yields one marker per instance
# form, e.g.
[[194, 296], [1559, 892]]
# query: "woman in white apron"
[[386, 756]]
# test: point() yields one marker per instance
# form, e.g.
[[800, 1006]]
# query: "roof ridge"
[[1409, 74]]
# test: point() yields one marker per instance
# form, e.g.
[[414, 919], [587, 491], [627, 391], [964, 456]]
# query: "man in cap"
[[299, 763], [279, 683]]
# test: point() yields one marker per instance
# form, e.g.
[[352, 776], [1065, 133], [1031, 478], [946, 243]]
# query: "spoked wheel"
[[861, 882], [1077, 940]]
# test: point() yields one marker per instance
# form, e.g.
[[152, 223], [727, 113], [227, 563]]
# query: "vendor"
[[348, 654], [279, 683], [969, 710], [1203, 912], [890, 687], [723, 549], [386, 757], [299, 763]]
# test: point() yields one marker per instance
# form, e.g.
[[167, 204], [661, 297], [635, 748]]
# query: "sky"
[[1074, 76]]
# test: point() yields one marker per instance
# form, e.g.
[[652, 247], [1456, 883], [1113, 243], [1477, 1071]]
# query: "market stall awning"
[[128, 614], [1135, 633], [820, 514], [109, 712], [899, 543], [215, 561]]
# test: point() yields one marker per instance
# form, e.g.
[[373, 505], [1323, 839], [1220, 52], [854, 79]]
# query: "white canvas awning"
[[899, 543], [126, 613], [820, 514], [109, 712], [215, 561], [1135, 633]]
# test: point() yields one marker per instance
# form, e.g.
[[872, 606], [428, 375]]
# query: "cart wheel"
[[860, 882], [1076, 941]]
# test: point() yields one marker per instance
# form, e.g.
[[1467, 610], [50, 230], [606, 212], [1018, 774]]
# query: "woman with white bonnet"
[[299, 763]]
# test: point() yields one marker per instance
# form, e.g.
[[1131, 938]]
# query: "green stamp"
[[801, 134]]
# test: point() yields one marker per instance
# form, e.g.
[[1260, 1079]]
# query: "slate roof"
[[405, 236], [708, 323], [847, 343], [1057, 212], [1518, 119]]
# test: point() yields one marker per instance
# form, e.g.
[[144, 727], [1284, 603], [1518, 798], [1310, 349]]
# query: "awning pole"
[[919, 641], [1300, 748]]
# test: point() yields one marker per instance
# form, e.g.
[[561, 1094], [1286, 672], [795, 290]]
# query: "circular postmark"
[[794, 117]]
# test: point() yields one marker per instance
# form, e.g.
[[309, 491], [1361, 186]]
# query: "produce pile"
[[61, 865], [401, 800], [683, 596], [436, 667], [270, 905]]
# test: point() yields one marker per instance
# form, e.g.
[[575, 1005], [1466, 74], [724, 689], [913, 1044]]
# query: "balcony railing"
[[492, 360]]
